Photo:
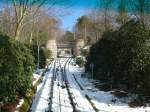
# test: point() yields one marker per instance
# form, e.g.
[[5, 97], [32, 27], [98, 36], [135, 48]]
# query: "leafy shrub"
[[132, 49], [122, 57], [47, 53], [25, 106], [101, 56], [16, 67], [79, 61], [43, 55]]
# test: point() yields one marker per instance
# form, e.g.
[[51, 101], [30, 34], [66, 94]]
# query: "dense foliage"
[[123, 58], [68, 37], [79, 61], [16, 68], [43, 55]]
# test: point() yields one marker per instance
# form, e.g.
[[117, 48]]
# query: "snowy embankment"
[[41, 100], [103, 101], [36, 77]]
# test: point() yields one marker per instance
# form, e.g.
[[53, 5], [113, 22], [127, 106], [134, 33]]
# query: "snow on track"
[[102, 100], [61, 102], [83, 104], [40, 102]]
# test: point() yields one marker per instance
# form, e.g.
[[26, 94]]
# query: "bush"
[[123, 58], [79, 61], [25, 106], [42, 57], [101, 56], [16, 67], [132, 49], [47, 53]]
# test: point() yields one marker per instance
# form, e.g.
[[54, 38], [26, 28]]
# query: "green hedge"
[[16, 68], [43, 55], [122, 57], [79, 61]]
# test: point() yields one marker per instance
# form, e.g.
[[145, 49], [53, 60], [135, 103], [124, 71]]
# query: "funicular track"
[[35, 103], [51, 88], [78, 102], [73, 104], [58, 86], [64, 80]]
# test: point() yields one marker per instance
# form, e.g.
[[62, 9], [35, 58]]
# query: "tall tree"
[[122, 16], [22, 9], [82, 25], [141, 8], [7, 20], [106, 5], [68, 37]]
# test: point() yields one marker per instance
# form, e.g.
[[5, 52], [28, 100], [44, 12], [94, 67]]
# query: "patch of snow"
[[41, 100], [20, 104], [36, 77], [103, 101]]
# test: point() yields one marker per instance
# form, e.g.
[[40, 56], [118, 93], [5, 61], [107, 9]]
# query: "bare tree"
[[140, 8], [7, 20], [106, 5], [122, 16], [41, 24], [22, 9], [82, 25]]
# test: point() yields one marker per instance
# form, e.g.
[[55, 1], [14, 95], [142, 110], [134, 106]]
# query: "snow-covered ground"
[[61, 102], [83, 104], [102, 100], [41, 100], [36, 77]]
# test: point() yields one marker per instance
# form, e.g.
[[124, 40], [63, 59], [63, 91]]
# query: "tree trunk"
[[85, 34], [17, 31], [31, 37]]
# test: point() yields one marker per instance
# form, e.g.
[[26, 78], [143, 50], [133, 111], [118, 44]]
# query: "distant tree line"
[[67, 37], [111, 15]]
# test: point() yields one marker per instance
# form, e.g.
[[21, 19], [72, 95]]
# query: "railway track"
[[72, 102], [79, 102], [60, 92], [46, 78], [51, 88], [59, 80]]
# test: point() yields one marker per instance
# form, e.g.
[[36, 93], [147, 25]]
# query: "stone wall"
[[79, 44], [51, 45]]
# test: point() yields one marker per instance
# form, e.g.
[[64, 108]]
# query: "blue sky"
[[77, 9], [68, 21]]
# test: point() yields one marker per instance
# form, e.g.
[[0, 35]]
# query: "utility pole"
[[38, 52], [74, 35], [38, 64], [92, 68], [85, 35]]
